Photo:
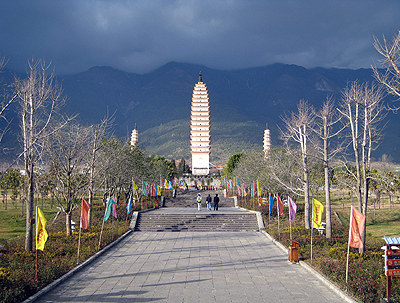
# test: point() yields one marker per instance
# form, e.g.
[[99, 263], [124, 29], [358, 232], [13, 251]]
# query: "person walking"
[[199, 201], [208, 199], [216, 201]]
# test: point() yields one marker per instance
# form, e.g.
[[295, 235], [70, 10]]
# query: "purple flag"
[[292, 209]]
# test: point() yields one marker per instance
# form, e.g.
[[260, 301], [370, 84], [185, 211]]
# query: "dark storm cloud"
[[139, 36]]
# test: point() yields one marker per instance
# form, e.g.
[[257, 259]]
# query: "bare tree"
[[297, 129], [68, 148], [390, 78], [363, 110], [283, 172], [98, 133], [327, 118], [39, 97]]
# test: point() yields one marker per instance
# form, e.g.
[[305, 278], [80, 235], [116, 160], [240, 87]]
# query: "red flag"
[[280, 207], [357, 221], [85, 214], [239, 191]]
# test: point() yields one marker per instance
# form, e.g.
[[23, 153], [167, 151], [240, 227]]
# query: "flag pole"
[[102, 225], [348, 245], [79, 243], [279, 229], [36, 261], [101, 232], [312, 227]]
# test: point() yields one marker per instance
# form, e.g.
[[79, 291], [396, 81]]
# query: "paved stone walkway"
[[193, 267]]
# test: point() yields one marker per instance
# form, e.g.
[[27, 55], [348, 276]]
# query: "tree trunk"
[[29, 207], [306, 194], [68, 223]]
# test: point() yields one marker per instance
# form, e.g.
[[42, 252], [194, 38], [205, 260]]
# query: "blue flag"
[[271, 203], [129, 206], [109, 207]]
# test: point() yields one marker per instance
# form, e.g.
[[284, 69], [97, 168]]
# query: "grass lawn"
[[13, 219]]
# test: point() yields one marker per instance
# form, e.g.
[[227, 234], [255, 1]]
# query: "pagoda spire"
[[200, 77]]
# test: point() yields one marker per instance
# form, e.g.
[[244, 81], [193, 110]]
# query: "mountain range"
[[242, 103]]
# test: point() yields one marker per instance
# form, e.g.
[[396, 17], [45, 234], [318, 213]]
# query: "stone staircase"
[[154, 221], [188, 199]]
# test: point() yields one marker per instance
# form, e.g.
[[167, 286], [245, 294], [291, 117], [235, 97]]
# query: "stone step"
[[196, 222], [188, 199]]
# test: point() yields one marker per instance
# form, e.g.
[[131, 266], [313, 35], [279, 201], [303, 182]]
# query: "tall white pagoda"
[[200, 129], [267, 140], [134, 137]]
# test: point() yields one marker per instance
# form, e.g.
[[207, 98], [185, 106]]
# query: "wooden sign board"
[[393, 272], [391, 253], [393, 262]]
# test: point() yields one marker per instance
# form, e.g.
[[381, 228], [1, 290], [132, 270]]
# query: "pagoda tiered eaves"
[[200, 129]]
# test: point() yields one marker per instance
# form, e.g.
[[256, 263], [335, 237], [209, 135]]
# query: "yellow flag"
[[259, 189], [134, 184], [317, 216], [41, 233]]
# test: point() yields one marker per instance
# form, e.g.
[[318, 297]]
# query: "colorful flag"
[[292, 209], [280, 206], [129, 206], [239, 191], [166, 184], [259, 189], [110, 202], [169, 185], [85, 214], [271, 203], [114, 210], [134, 184], [357, 222], [317, 214], [41, 233], [237, 181], [144, 189]]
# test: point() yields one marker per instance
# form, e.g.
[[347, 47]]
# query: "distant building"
[[200, 129], [134, 137], [267, 140]]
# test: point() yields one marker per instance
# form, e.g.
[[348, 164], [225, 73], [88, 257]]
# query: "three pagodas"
[[200, 130]]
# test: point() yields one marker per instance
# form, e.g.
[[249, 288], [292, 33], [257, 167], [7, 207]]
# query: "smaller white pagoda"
[[134, 137], [267, 140]]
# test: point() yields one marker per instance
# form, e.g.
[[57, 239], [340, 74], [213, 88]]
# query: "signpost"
[[392, 262]]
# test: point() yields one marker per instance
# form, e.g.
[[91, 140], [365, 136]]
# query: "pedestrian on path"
[[208, 199], [216, 201], [199, 201]]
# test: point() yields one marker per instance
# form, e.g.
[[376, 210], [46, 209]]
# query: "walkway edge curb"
[[328, 283], [320, 277], [75, 270]]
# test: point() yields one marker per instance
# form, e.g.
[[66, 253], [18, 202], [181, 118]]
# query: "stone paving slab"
[[193, 267]]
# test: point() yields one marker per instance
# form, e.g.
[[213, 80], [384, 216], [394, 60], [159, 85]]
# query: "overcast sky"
[[141, 35]]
